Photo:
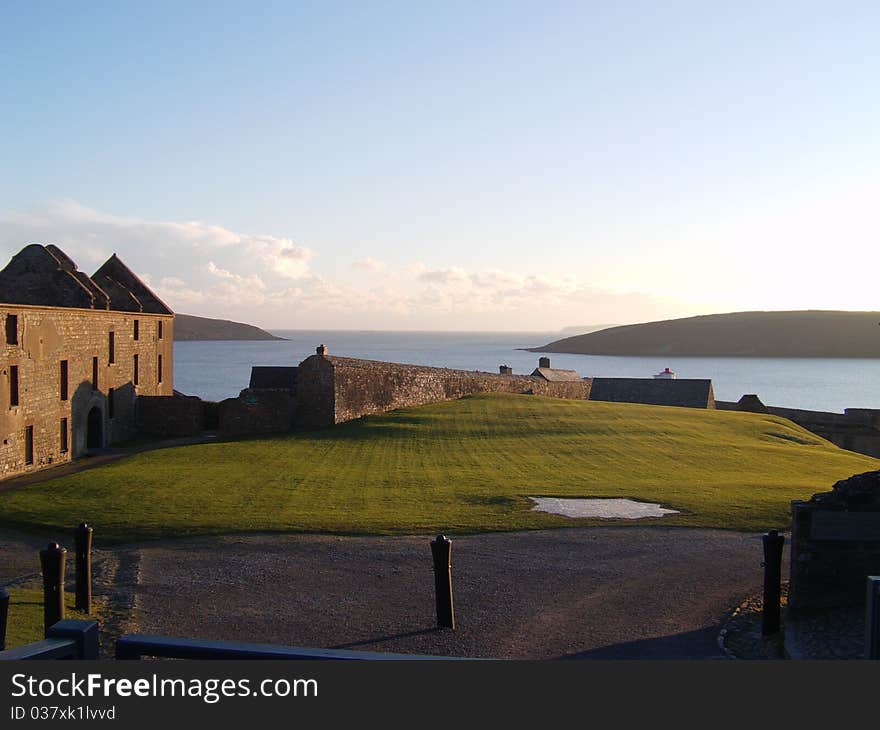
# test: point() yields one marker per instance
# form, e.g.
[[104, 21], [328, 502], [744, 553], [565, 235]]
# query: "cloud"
[[443, 276], [90, 233], [169, 255], [369, 264], [203, 268], [281, 255]]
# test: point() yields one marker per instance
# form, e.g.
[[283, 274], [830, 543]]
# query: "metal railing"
[[136, 646], [68, 639]]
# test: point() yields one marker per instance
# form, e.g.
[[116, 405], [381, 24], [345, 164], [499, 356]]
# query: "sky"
[[450, 166]]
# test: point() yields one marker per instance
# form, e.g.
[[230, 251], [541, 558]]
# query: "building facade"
[[77, 353]]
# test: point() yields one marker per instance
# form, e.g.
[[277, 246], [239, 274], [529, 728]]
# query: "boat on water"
[[666, 374]]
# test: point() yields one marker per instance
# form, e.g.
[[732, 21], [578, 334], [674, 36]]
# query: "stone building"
[[77, 353], [685, 393], [267, 405], [554, 375]]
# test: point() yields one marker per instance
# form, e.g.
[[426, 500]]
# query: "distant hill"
[[584, 329], [188, 327], [809, 333]]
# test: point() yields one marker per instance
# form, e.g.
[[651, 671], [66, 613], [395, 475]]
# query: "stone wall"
[[835, 545], [337, 389], [46, 336], [256, 411], [856, 429], [171, 416]]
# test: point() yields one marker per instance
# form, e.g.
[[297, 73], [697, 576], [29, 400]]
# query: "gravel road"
[[609, 593], [604, 593]]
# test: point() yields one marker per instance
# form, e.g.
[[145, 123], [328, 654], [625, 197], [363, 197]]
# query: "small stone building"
[[267, 405], [78, 351], [554, 375]]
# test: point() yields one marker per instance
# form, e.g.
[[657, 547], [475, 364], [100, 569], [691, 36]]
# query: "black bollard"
[[773, 543], [441, 549], [52, 562], [83, 540], [4, 615]]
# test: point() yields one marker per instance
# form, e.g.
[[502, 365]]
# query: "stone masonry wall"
[[856, 429], [835, 545], [256, 411], [315, 401], [171, 416], [337, 389], [48, 335]]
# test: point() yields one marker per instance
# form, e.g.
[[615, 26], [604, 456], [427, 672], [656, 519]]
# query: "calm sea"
[[217, 370]]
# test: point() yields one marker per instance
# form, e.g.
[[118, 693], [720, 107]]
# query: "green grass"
[[460, 466], [25, 622]]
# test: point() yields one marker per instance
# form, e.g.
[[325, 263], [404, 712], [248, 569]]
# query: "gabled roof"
[[46, 276], [555, 375], [119, 277], [101, 300], [36, 275], [658, 392]]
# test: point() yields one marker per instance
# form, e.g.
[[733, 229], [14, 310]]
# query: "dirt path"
[[609, 593]]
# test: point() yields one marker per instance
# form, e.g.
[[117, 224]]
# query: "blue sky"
[[450, 165]]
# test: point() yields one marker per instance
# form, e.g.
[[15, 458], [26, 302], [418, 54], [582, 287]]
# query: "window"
[[111, 348], [136, 370], [160, 329], [63, 435], [11, 329], [110, 402], [13, 385], [137, 329], [94, 373], [160, 368], [29, 445], [64, 379]]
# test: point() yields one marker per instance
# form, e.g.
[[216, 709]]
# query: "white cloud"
[[443, 276], [369, 264], [281, 255], [203, 268]]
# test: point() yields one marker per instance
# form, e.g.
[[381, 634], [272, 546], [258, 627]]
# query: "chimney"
[[321, 350], [505, 369], [544, 362]]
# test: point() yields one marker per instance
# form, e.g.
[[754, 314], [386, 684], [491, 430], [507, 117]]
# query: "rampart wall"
[[336, 389], [171, 416], [256, 411], [835, 544], [856, 429]]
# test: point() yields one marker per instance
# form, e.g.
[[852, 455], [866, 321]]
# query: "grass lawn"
[[25, 622], [459, 466]]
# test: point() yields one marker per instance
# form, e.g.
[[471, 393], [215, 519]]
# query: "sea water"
[[217, 370]]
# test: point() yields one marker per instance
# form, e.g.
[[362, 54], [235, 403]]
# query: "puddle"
[[623, 509]]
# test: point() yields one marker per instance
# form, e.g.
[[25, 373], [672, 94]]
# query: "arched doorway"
[[95, 432]]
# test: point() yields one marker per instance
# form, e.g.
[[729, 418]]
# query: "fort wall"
[[257, 411], [835, 544], [856, 429], [171, 416], [333, 389]]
